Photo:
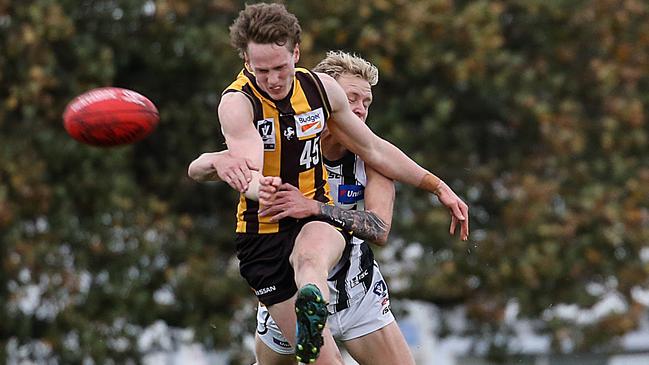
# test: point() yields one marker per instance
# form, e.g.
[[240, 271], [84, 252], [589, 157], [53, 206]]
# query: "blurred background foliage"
[[534, 111]]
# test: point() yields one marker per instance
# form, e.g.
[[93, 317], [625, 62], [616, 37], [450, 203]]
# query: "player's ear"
[[296, 53], [246, 61]]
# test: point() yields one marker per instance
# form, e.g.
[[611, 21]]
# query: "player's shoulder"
[[326, 79], [235, 104], [232, 99], [333, 89]]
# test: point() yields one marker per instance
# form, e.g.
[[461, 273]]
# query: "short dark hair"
[[264, 23]]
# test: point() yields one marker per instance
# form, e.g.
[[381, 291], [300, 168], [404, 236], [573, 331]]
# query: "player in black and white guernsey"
[[352, 277], [359, 303]]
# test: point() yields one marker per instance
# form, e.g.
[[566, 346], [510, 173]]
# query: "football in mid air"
[[110, 116]]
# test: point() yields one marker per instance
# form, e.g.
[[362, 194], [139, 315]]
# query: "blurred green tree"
[[100, 244], [536, 112]]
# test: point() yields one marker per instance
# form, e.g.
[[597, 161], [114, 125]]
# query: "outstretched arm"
[[239, 165], [386, 158], [222, 166]]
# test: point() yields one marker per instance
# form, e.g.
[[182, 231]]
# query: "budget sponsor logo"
[[310, 123]]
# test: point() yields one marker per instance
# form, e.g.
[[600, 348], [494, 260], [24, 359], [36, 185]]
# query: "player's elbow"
[[377, 229], [373, 152], [381, 241], [194, 171], [382, 238], [375, 155], [192, 175]]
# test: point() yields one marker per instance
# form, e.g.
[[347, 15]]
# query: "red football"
[[110, 116]]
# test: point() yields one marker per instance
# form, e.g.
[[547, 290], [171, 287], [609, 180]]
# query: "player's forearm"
[[362, 224], [202, 169], [432, 184], [379, 199], [402, 168]]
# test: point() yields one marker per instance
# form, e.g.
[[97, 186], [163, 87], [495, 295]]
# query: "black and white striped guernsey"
[[351, 278]]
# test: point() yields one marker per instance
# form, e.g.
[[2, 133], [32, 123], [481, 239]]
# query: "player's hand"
[[235, 171], [268, 187], [459, 210], [290, 202]]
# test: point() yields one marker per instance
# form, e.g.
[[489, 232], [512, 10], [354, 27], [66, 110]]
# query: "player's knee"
[[303, 259]]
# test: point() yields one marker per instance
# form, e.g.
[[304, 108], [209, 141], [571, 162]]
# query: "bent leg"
[[386, 346], [318, 247]]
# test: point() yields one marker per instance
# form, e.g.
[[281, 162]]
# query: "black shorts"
[[264, 262]]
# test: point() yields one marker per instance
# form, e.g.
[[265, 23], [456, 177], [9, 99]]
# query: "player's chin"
[[278, 93]]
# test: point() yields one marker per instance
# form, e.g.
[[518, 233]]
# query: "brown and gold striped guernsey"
[[290, 129]]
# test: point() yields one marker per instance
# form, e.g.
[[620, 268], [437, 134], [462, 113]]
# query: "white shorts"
[[363, 317]]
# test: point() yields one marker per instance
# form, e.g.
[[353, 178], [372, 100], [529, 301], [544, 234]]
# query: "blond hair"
[[338, 63]]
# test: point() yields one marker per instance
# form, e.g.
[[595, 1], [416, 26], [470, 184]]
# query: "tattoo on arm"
[[365, 225]]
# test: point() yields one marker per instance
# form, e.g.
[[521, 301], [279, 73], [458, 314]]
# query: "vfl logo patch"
[[309, 123], [350, 194], [266, 128], [380, 289]]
